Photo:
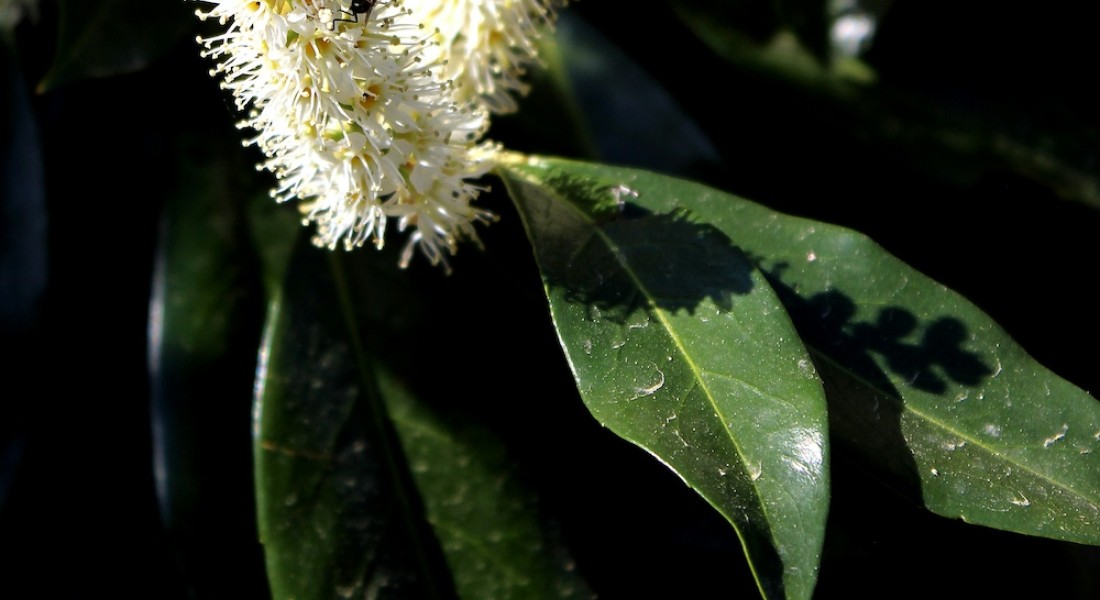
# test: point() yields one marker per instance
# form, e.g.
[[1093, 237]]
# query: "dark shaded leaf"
[[24, 268], [920, 101], [354, 503], [23, 227], [110, 37], [206, 315], [478, 505], [607, 85], [338, 515]]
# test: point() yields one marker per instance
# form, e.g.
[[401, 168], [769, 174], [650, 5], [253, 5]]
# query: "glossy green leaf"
[[678, 344], [927, 386], [99, 38], [363, 489]]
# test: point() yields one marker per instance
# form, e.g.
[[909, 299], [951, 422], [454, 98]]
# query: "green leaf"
[[355, 499], [110, 37], [274, 228], [206, 315], [478, 506], [920, 381], [338, 516], [606, 84], [680, 346], [767, 41]]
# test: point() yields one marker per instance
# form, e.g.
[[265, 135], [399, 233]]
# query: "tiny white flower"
[[360, 115], [489, 44]]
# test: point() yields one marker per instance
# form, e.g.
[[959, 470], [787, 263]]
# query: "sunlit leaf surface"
[[679, 345], [928, 387]]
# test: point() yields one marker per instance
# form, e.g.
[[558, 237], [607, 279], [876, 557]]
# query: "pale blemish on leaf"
[[1050, 441]]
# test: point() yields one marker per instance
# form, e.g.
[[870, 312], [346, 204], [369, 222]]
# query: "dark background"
[[79, 516]]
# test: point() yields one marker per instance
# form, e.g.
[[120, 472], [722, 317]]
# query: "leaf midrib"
[[696, 371], [378, 414], [906, 406], [475, 544]]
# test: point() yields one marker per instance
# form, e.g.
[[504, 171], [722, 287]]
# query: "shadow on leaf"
[[865, 405], [645, 260]]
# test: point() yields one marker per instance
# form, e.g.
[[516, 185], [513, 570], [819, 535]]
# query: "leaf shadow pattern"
[[865, 405], [609, 261], [641, 260], [826, 320]]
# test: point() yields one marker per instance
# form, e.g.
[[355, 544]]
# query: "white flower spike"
[[375, 109]]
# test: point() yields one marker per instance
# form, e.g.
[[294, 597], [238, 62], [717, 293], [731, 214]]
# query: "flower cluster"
[[371, 110]]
